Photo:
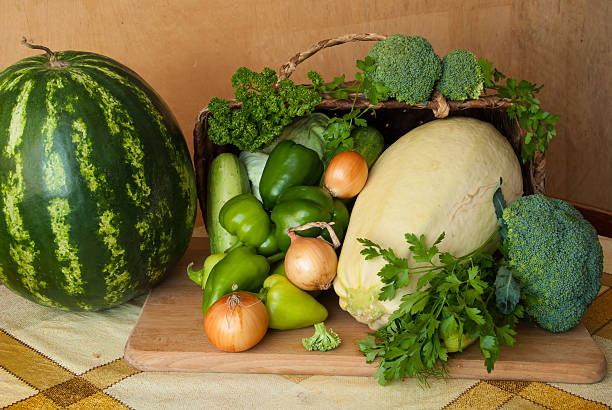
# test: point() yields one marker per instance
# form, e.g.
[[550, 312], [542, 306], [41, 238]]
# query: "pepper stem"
[[234, 246], [53, 61], [324, 225], [276, 257]]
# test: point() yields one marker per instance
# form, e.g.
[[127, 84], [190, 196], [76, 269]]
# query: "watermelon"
[[97, 189]]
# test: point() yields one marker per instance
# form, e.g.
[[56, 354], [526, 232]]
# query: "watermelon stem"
[[53, 61]]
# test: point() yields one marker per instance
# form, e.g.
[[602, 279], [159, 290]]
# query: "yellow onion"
[[311, 263], [236, 322], [346, 174]]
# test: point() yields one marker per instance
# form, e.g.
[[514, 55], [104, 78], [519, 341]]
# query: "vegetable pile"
[[275, 219], [302, 187]]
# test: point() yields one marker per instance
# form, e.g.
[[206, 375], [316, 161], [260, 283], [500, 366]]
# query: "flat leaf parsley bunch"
[[539, 125], [455, 298]]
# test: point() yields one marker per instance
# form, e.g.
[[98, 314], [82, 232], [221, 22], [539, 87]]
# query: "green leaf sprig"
[[338, 133], [454, 297], [538, 124]]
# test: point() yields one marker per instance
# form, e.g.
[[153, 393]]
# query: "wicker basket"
[[393, 119]]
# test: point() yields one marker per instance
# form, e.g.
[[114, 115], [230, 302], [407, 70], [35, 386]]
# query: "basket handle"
[[439, 105], [289, 67]]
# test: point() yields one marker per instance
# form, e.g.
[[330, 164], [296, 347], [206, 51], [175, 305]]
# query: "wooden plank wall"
[[188, 49]]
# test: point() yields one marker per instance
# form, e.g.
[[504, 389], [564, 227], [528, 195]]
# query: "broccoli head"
[[461, 76], [407, 66], [322, 339], [557, 258]]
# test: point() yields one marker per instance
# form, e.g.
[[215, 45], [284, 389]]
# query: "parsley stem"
[[469, 256], [440, 306]]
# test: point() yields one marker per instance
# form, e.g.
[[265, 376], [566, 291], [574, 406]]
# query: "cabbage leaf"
[[254, 163]]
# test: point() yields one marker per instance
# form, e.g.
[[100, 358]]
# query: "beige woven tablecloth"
[[52, 359]]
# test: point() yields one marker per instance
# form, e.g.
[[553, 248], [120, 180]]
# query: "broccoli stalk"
[[322, 339]]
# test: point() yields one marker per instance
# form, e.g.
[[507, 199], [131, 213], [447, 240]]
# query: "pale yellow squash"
[[440, 177]]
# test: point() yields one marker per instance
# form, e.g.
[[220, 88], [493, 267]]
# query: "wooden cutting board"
[[169, 336]]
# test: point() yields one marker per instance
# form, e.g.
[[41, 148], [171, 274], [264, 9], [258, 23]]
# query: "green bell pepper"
[[288, 306], [244, 216], [302, 204], [313, 193], [269, 247], [278, 268], [200, 276], [340, 217], [241, 266], [289, 165], [297, 212]]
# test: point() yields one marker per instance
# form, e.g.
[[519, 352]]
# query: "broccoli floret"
[[557, 258], [407, 66], [461, 76], [322, 339]]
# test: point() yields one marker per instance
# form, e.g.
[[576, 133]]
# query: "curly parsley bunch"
[[268, 105]]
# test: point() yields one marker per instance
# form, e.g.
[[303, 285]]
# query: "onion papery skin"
[[310, 263], [236, 327], [346, 175]]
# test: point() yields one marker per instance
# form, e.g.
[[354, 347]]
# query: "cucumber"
[[227, 177], [367, 141]]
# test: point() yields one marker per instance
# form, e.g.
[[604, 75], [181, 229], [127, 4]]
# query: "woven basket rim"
[[437, 103]]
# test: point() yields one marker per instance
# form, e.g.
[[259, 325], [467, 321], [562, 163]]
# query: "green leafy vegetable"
[[499, 203], [538, 124], [268, 105], [254, 162], [338, 133], [307, 131], [507, 290], [453, 298]]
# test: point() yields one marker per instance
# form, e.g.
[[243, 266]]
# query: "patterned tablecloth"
[[52, 359]]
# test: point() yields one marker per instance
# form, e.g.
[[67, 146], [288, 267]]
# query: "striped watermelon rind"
[[98, 197]]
